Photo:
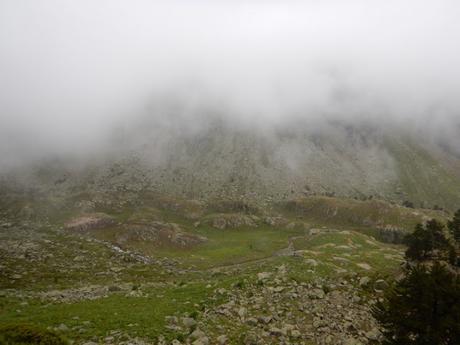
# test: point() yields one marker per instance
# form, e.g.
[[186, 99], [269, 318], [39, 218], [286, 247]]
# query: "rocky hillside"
[[221, 161]]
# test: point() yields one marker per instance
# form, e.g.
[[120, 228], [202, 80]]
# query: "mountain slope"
[[221, 161]]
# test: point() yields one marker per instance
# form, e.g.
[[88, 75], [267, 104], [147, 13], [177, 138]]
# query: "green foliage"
[[22, 334], [419, 243], [427, 242], [454, 227], [239, 284], [408, 204], [194, 314], [422, 309], [342, 212]]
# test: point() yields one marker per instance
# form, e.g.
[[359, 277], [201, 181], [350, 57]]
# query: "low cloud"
[[72, 72]]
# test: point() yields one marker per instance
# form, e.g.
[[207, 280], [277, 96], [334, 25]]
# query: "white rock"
[[242, 312], [364, 266], [311, 262], [222, 339], [295, 334], [201, 341], [197, 334], [263, 275], [364, 281], [188, 322]]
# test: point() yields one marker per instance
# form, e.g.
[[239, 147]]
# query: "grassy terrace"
[[131, 299], [336, 254]]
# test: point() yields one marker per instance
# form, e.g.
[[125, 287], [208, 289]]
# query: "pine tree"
[[440, 241], [422, 309], [427, 242], [454, 227], [419, 243]]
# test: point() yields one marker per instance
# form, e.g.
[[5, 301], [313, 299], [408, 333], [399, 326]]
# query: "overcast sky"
[[71, 70]]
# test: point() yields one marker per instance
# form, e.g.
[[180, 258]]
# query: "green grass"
[[341, 212], [136, 316], [422, 177], [145, 316], [232, 246], [341, 254], [230, 258], [56, 268]]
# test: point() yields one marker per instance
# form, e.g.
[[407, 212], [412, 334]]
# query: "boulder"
[[380, 285], [311, 262], [364, 266], [364, 281], [222, 339], [188, 322], [262, 276], [197, 334]]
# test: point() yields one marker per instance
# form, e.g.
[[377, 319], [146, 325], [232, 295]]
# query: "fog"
[[73, 72]]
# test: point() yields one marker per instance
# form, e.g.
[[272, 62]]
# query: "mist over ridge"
[[73, 73]]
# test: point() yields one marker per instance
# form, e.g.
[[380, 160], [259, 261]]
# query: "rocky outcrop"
[[391, 234], [159, 234], [89, 222], [277, 310], [231, 220]]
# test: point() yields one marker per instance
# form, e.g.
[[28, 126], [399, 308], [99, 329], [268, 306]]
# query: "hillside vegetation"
[[152, 268], [225, 162]]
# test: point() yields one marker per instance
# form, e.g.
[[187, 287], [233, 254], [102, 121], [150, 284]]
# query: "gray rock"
[[197, 334], [62, 328], [311, 262], [242, 312], [201, 341], [380, 285], [114, 288], [364, 266], [275, 331], [251, 339], [373, 334], [222, 339], [252, 321], [265, 319], [364, 281], [263, 276], [188, 322], [316, 294], [295, 333]]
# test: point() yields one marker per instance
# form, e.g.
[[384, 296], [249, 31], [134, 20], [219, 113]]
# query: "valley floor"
[[264, 285]]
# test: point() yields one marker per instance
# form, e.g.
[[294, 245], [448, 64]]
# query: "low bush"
[[25, 334]]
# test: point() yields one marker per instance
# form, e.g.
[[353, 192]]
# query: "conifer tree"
[[454, 227], [427, 241], [422, 309]]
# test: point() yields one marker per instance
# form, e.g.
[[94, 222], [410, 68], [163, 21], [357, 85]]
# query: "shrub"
[[408, 204], [239, 284], [22, 334], [194, 314]]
